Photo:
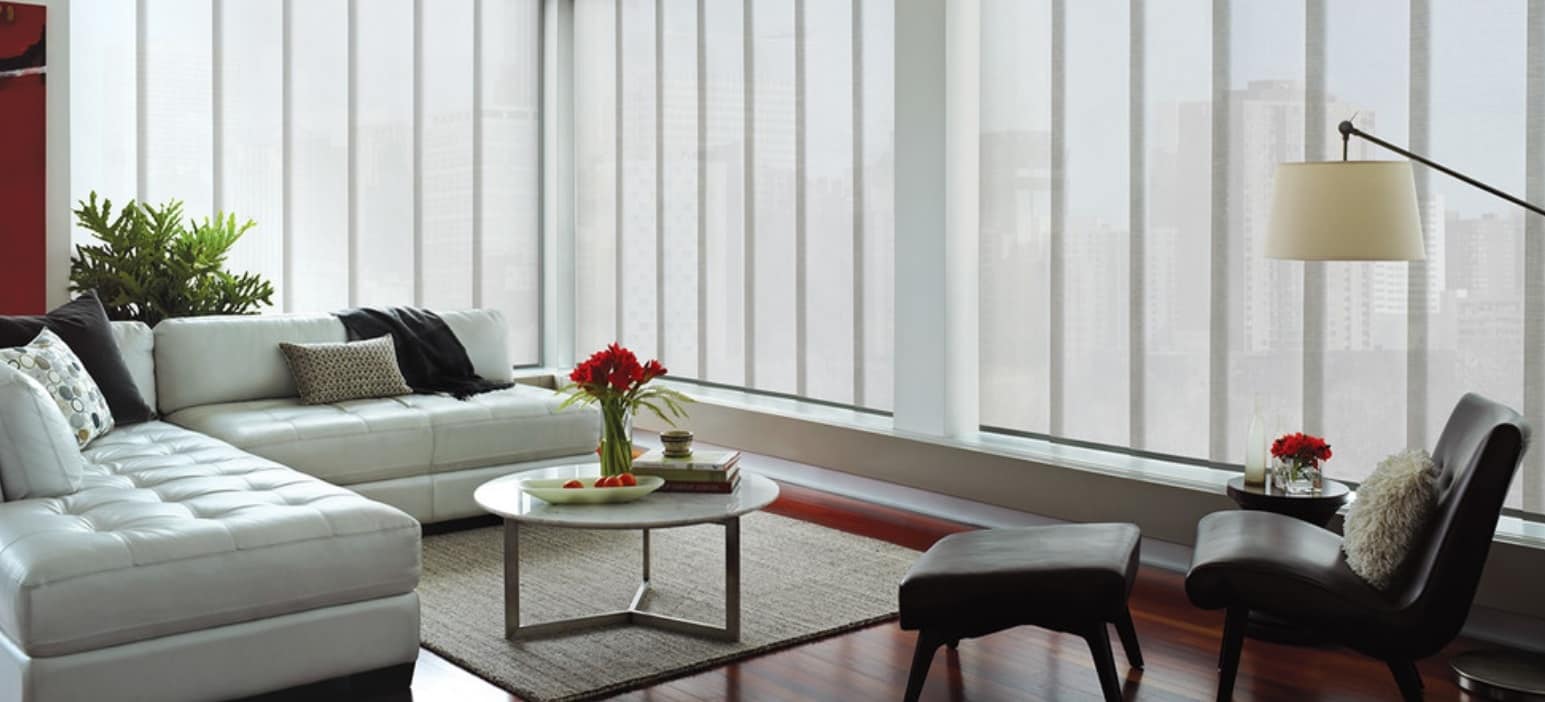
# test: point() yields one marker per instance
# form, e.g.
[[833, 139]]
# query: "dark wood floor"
[[1179, 642]]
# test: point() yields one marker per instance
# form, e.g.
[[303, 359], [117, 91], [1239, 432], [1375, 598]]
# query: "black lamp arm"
[[1348, 131]]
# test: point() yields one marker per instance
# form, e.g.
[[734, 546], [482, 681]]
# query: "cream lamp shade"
[[1345, 211]]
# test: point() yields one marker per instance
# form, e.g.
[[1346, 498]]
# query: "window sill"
[[1169, 474]]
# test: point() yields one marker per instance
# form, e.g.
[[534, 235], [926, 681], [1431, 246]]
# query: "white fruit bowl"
[[552, 491]]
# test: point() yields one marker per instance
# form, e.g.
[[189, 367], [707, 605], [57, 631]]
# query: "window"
[[388, 151], [733, 187], [1128, 152]]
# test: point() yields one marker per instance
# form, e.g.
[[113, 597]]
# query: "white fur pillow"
[[1390, 513]]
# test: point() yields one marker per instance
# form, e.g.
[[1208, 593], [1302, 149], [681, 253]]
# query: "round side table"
[[1317, 509]]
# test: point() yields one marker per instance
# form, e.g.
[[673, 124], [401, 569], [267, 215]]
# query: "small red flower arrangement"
[[1297, 468], [614, 379], [1301, 447]]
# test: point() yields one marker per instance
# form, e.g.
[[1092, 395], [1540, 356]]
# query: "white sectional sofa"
[[248, 543]]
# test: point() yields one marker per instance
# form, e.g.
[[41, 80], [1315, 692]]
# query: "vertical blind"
[[733, 187], [389, 150], [1128, 151]]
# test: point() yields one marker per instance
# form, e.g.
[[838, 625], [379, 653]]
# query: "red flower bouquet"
[[1297, 466], [614, 379]]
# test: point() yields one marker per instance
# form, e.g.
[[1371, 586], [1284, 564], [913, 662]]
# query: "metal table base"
[[730, 631]]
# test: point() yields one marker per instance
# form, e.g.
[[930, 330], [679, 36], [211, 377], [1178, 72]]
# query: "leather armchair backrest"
[[1477, 455]]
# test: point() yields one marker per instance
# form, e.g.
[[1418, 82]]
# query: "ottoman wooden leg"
[[922, 657], [1104, 662], [1128, 635]]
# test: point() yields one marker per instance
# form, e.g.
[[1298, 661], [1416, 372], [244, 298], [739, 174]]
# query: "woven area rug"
[[799, 581]]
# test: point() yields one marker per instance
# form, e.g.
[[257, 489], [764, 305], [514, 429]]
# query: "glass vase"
[[1295, 477], [616, 440]]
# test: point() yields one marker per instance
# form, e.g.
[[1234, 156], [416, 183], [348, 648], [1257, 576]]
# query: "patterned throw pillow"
[[51, 362], [353, 370]]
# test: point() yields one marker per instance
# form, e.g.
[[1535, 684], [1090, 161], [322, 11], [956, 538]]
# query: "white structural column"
[[1417, 288], [1315, 136], [1217, 359], [558, 183], [938, 81], [58, 223], [1534, 258]]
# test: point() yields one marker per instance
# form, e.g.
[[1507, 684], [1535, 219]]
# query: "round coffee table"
[[503, 496]]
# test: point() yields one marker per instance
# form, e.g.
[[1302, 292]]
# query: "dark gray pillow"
[[83, 326], [353, 370]]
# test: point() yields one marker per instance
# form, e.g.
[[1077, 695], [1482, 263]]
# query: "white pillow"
[[48, 360], [38, 454], [1390, 513]]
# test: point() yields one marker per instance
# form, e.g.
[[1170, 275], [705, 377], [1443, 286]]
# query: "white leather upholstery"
[[137, 344], [225, 662], [522, 423], [344, 443], [486, 337], [174, 531], [209, 360], [38, 453], [395, 437]]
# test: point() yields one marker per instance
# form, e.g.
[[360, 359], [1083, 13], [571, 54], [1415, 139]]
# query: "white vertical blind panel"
[[384, 212], [595, 166], [1179, 243], [511, 163], [773, 257], [828, 257], [319, 166], [724, 169], [446, 176], [251, 144], [679, 193], [879, 152], [178, 148], [638, 176], [1096, 297], [1266, 127], [103, 139], [1365, 311], [1015, 218], [1475, 334]]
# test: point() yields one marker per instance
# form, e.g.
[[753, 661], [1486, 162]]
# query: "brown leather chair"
[[1267, 562]]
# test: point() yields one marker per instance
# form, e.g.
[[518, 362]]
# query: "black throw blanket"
[[432, 359]]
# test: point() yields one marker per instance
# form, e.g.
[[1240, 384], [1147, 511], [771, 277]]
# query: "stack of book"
[[703, 471]]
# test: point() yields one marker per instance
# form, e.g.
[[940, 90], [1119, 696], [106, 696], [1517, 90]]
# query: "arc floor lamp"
[[1367, 211]]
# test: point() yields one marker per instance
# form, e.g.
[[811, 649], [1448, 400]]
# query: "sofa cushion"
[[209, 360], [352, 370], [83, 325], [38, 453], [521, 423], [173, 531], [56, 368], [137, 344], [347, 442]]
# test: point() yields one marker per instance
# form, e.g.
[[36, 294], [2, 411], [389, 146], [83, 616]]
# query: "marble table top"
[[503, 496]]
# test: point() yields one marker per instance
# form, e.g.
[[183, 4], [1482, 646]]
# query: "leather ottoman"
[[1073, 578]]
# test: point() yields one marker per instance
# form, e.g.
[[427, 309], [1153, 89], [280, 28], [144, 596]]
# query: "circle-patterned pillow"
[[51, 362]]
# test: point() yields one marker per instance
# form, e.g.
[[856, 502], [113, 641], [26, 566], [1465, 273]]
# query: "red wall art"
[[23, 159]]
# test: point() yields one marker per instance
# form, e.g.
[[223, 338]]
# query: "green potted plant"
[[149, 265]]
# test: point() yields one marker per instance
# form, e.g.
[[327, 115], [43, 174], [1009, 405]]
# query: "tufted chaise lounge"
[[191, 567]]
